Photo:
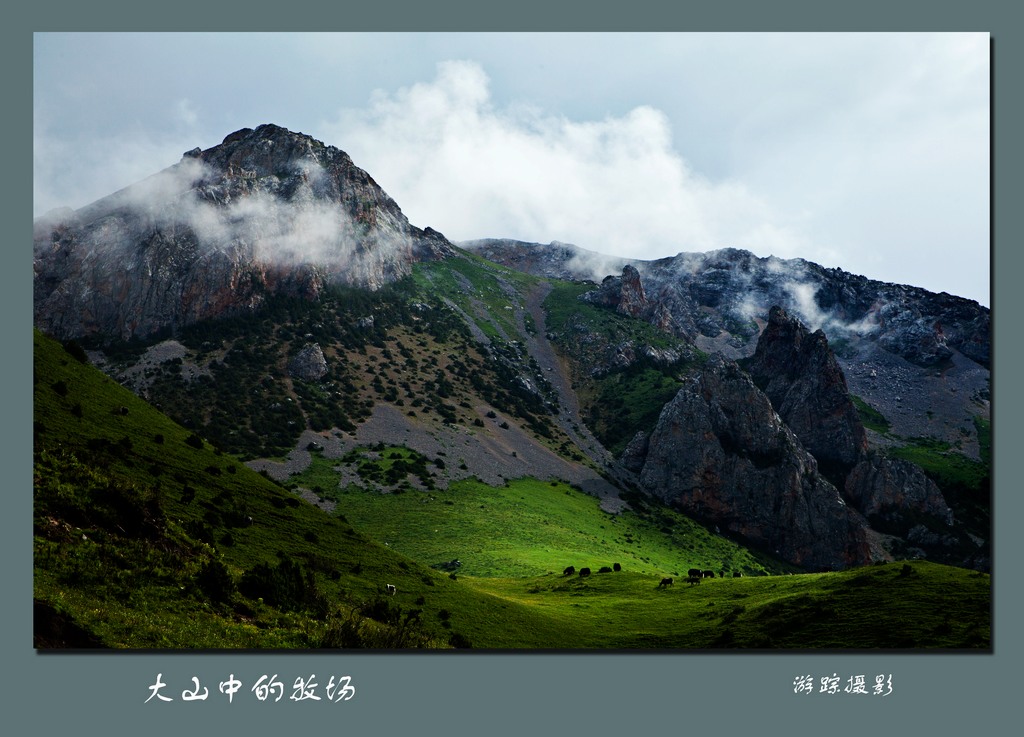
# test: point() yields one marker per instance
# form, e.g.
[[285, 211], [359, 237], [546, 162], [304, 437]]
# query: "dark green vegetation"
[[402, 345], [631, 369], [526, 528], [870, 417], [150, 531], [146, 536]]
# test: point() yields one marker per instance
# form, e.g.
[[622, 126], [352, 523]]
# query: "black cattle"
[[584, 571], [737, 574], [693, 579], [665, 582], [709, 574], [695, 572], [569, 571], [616, 567], [605, 569]]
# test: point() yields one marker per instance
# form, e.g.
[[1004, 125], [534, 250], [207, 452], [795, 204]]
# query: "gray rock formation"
[[309, 364], [624, 294], [798, 372], [717, 298], [895, 495], [918, 357], [635, 453], [721, 454], [266, 211]]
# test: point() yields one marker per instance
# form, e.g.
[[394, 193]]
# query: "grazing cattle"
[[693, 579], [389, 589], [695, 572], [616, 567], [665, 582], [737, 574], [709, 574], [584, 571], [569, 571], [605, 569]]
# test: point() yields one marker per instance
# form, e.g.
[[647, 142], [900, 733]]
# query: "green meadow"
[[528, 528], [148, 536]]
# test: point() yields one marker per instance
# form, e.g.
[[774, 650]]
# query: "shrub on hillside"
[[288, 586], [215, 581]]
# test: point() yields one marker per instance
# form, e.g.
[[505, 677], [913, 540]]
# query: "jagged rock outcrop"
[[717, 298], [625, 294], [799, 373], [553, 260], [635, 452], [721, 453], [266, 211], [895, 495], [309, 364], [632, 300], [920, 358]]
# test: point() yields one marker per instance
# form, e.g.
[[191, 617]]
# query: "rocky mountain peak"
[[624, 294], [799, 373], [266, 211], [721, 453]]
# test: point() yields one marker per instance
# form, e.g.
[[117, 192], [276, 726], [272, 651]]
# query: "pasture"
[[147, 536], [924, 605], [529, 527]]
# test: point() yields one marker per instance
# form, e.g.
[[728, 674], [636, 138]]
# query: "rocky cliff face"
[[800, 375], [920, 358], [798, 372], [266, 211], [895, 495], [722, 454], [719, 297]]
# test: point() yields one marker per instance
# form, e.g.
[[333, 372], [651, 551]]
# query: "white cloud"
[[72, 171], [865, 151], [186, 112], [459, 163]]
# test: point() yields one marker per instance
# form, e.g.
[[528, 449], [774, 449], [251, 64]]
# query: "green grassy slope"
[[899, 606], [145, 536], [143, 539], [530, 527], [617, 401]]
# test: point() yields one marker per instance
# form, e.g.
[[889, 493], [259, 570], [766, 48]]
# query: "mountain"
[[147, 537], [501, 410], [265, 212], [720, 299], [920, 359]]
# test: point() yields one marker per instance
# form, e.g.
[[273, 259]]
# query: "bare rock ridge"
[[721, 453], [746, 450], [799, 373], [718, 298], [920, 358], [266, 211]]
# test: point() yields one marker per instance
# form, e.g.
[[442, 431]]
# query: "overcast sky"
[[867, 152]]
